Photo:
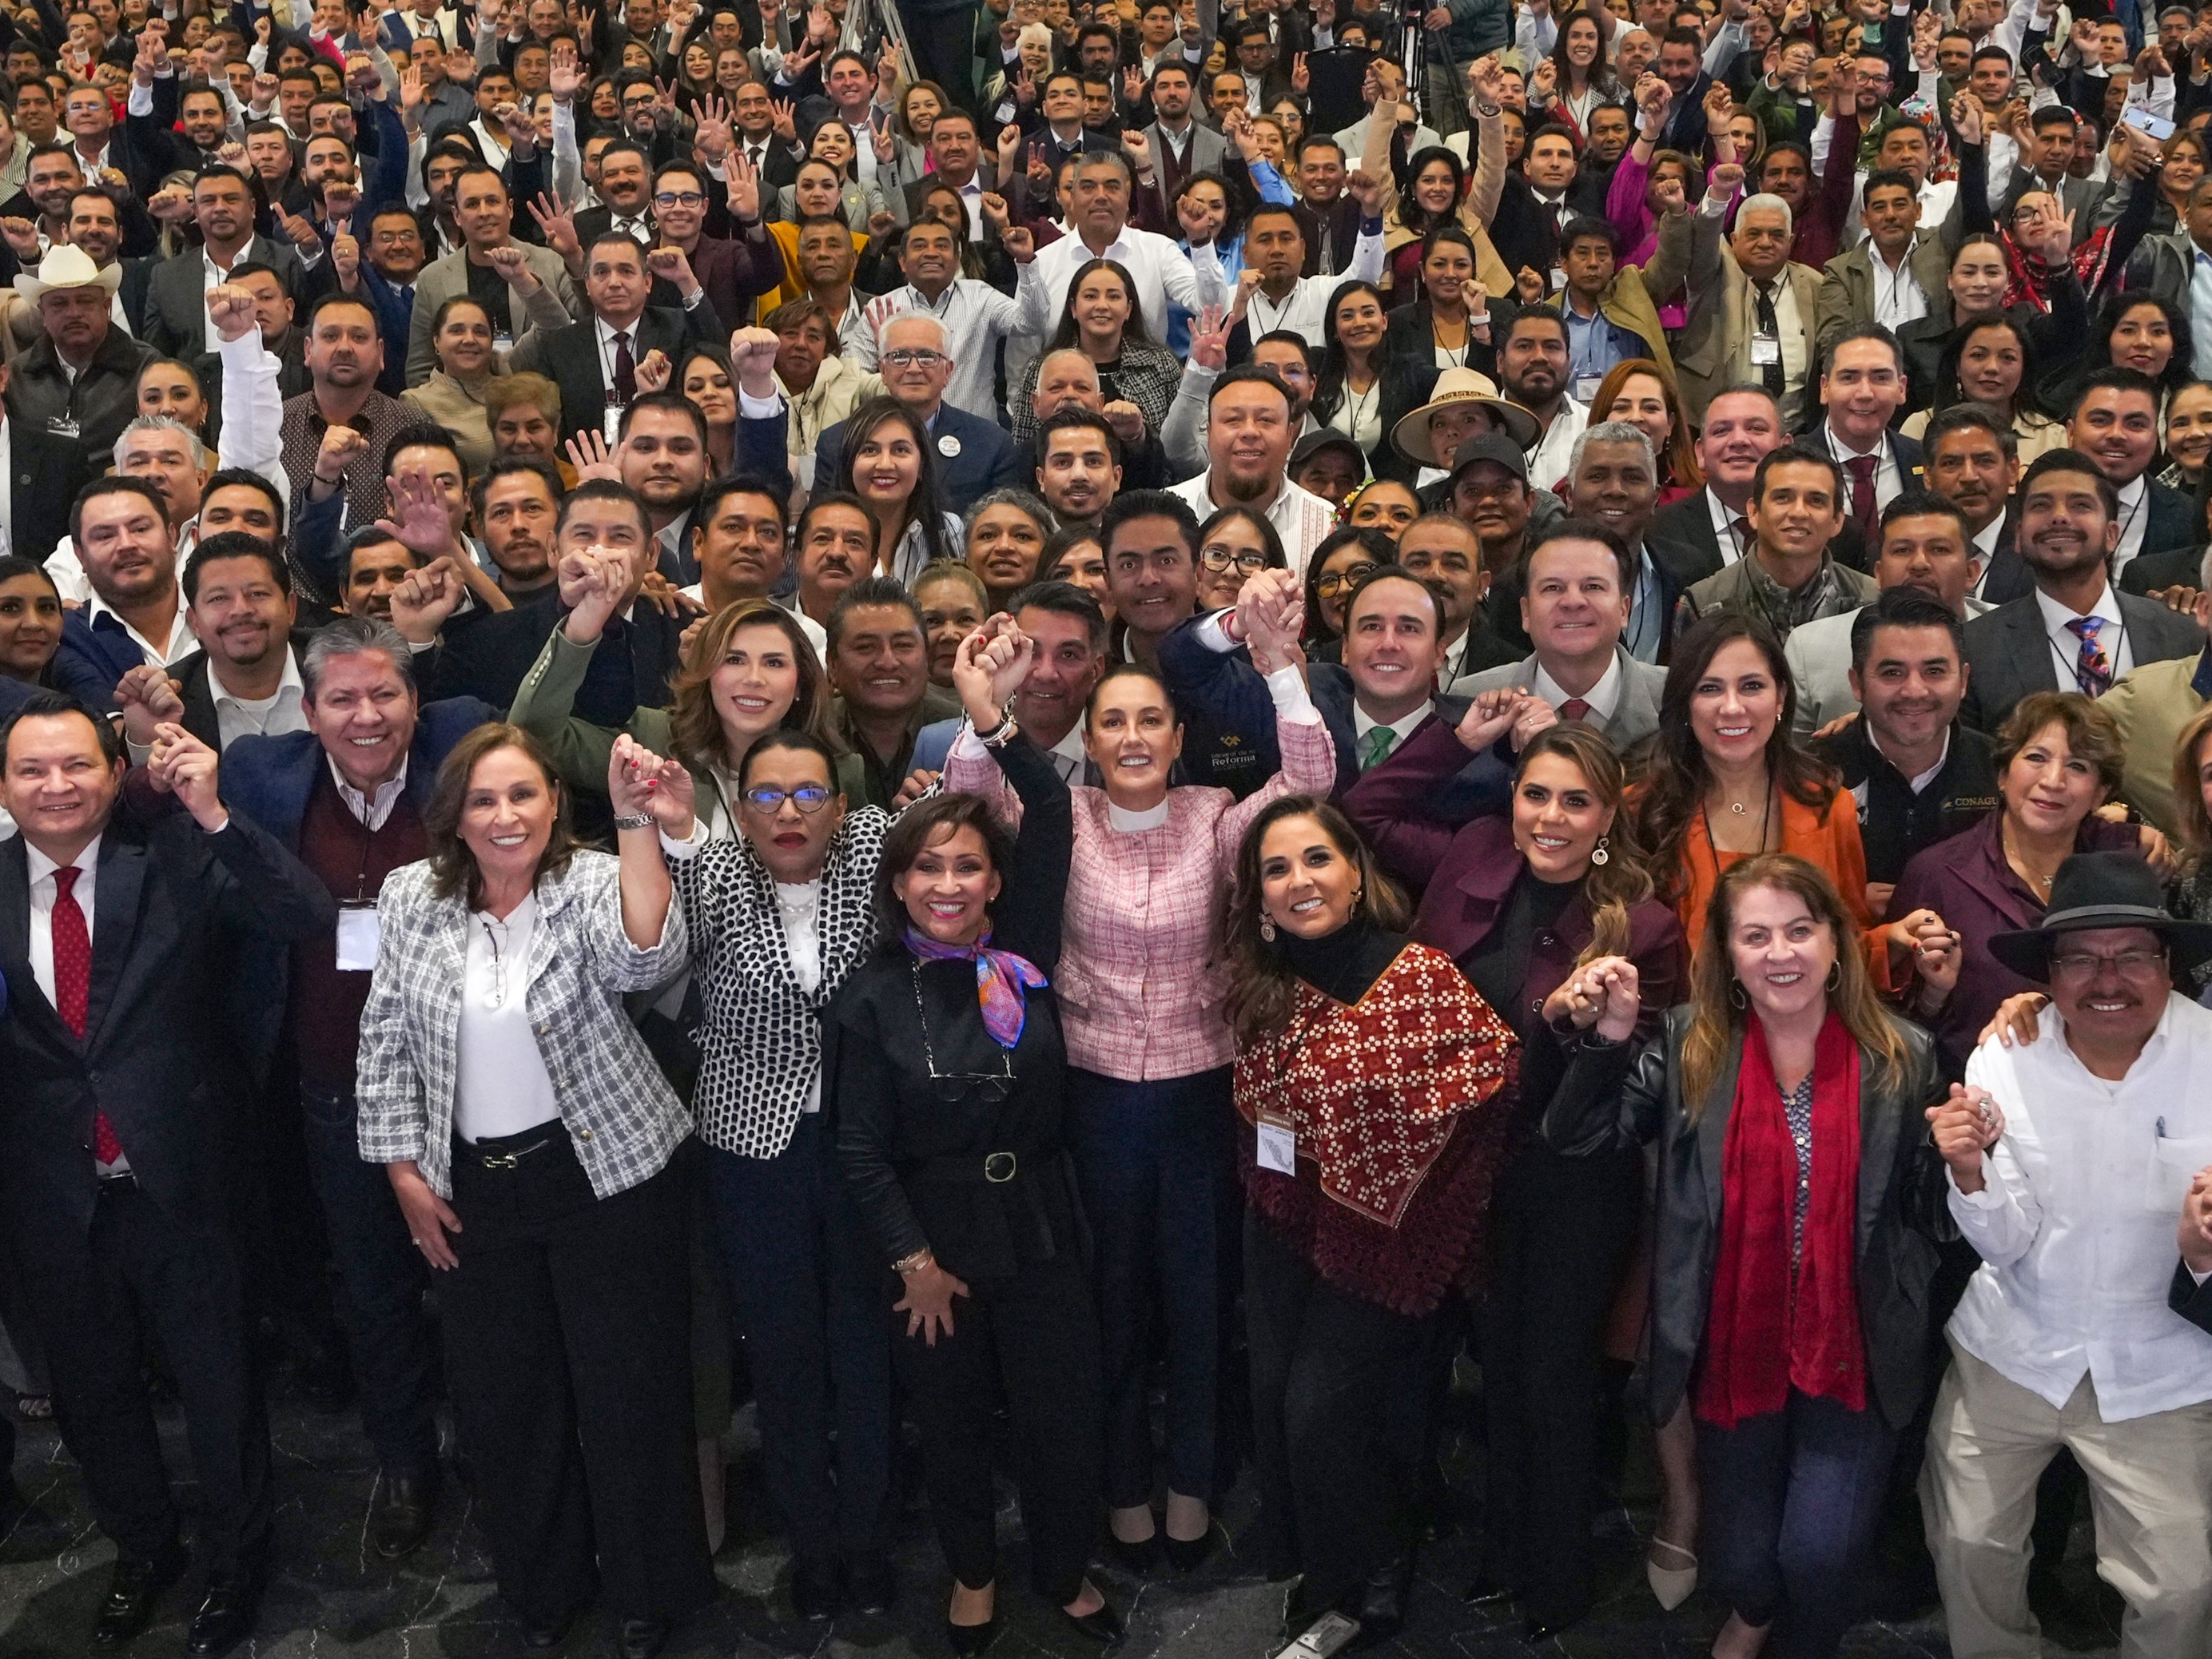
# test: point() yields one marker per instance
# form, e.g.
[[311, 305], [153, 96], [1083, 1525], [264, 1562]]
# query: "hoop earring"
[[1736, 997], [1266, 927], [1835, 980], [1598, 854]]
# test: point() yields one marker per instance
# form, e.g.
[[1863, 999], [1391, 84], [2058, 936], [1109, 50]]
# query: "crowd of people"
[[1282, 694]]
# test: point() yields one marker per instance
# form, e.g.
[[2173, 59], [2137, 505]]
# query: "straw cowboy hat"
[[67, 267], [1455, 388]]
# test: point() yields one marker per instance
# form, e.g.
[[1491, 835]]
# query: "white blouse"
[[500, 1085], [800, 906]]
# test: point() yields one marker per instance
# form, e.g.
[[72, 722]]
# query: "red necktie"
[[73, 988], [1861, 467], [1574, 708], [625, 370]]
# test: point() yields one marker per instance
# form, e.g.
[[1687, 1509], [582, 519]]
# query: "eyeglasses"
[[914, 357], [1338, 581], [808, 798], [669, 198], [952, 1086], [1249, 560], [2137, 963]]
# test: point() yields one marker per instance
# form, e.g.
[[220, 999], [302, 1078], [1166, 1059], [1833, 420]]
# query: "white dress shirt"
[[282, 711], [1068, 756], [1304, 309], [1547, 461], [1161, 270], [976, 317], [1898, 299], [370, 811], [1724, 517], [2066, 644], [1602, 698], [180, 645], [1985, 550], [2075, 1223], [799, 906], [607, 332], [500, 1085], [2200, 312], [1405, 725], [2134, 519], [1302, 520]]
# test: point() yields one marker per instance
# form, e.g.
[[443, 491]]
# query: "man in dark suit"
[[175, 319], [2073, 633], [1863, 386], [2115, 424], [973, 456], [956, 160], [118, 1139], [333, 794], [1743, 427], [734, 270], [154, 136], [1970, 457], [45, 472], [595, 364], [625, 192]]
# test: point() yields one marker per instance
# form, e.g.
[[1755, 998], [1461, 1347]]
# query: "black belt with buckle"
[[995, 1168], [124, 1183]]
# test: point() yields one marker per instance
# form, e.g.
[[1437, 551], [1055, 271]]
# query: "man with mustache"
[[1079, 466], [344, 354], [1970, 457], [1614, 477], [837, 547], [1788, 578], [1531, 368], [739, 541], [135, 616], [79, 379], [2074, 632], [1249, 430], [879, 667]]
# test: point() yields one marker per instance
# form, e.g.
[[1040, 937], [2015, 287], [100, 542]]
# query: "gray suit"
[[1206, 147], [1847, 287], [175, 323], [2011, 655], [444, 279], [1635, 712], [1820, 659]]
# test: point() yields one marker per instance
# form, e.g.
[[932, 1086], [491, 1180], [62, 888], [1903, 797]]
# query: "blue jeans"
[[1791, 1502], [811, 1299], [1155, 1163], [381, 1278]]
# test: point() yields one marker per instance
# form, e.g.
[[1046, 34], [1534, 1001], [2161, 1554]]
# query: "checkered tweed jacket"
[[1140, 983], [622, 1117], [760, 1035]]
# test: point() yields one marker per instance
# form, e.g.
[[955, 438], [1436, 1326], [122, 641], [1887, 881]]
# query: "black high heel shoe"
[[1102, 1624], [1189, 1554], [968, 1640], [1141, 1557]]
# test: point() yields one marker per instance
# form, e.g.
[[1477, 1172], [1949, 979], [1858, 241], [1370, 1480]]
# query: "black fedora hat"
[[2101, 890]]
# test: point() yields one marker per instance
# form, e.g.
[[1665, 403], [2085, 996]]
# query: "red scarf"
[[1760, 1344]]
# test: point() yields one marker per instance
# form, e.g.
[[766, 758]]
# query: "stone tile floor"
[[331, 1597]]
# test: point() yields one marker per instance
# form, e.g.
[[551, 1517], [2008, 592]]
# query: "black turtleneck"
[[1344, 963]]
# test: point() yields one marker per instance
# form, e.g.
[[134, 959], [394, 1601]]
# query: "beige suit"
[[1847, 286], [2153, 703], [1713, 348], [556, 305]]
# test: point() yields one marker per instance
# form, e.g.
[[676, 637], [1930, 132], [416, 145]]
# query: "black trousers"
[[138, 1266], [1325, 1366], [1031, 1342], [568, 1330], [1563, 1226]]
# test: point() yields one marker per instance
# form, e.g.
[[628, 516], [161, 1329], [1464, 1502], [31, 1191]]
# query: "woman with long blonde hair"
[[1798, 1194]]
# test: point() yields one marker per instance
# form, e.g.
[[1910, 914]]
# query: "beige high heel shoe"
[[1671, 1585]]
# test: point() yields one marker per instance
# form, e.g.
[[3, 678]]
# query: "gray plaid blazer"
[[623, 1119]]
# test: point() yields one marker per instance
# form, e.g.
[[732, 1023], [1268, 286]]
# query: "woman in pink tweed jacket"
[[1141, 988]]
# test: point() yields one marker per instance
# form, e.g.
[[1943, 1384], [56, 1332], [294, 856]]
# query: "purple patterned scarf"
[[1003, 981]]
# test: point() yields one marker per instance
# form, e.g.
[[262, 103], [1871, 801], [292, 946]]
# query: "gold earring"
[[1266, 927]]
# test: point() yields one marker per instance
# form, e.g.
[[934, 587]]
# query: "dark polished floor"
[[331, 1596]]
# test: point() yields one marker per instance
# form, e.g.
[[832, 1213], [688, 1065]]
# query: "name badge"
[[62, 426], [502, 342], [1586, 386], [1559, 279], [357, 937], [1278, 1147], [611, 422], [1766, 350], [948, 445]]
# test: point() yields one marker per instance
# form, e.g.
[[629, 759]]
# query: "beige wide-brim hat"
[[69, 267], [1454, 387]]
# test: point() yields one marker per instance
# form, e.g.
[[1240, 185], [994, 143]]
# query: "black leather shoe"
[[968, 1640], [1187, 1555], [814, 1588], [1383, 1601], [406, 1507], [1102, 1624], [226, 1614], [871, 1584], [546, 1636], [640, 1638], [1537, 1630], [134, 1588], [1140, 1557], [1488, 1592]]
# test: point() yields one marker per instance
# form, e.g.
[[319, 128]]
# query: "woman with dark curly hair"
[[891, 463], [1373, 1085]]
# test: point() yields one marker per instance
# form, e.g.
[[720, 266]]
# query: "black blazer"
[[2011, 656], [913, 1146], [2007, 579], [2173, 548], [47, 473], [569, 357], [161, 1054], [1682, 542], [1850, 546], [1615, 1094], [198, 691]]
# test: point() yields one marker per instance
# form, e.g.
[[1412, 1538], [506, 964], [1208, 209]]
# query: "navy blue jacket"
[[92, 656], [988, 458]]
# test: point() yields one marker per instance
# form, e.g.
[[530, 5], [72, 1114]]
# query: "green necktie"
[[1381, 740]]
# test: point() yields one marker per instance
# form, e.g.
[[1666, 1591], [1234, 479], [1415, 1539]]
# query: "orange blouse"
[[1829, 842]]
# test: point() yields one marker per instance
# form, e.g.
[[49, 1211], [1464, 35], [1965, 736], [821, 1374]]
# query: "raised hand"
[[711, 136], [1723, 181], [752, 361], [23, 239], [345, 263], [1367, 191], [419, 521], [1019, 244], [183, 766], [671, 265], [1965, 1125], [341, 447], [145, 696], [594, 581], [653, 370], [565, 77], [1138, 150], [425, 598], [1667, 189], [786, 113], [1209, 338], [521, 131], [1301, 76], [1490, 714], [230, 308], [558, 219], [1132, 83], [1127, 421], [639, 781], [588, 454], [1487, 79], [301, 228], [995, 215]]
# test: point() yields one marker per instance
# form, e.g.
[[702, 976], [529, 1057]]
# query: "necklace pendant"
[[1737, 807]]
